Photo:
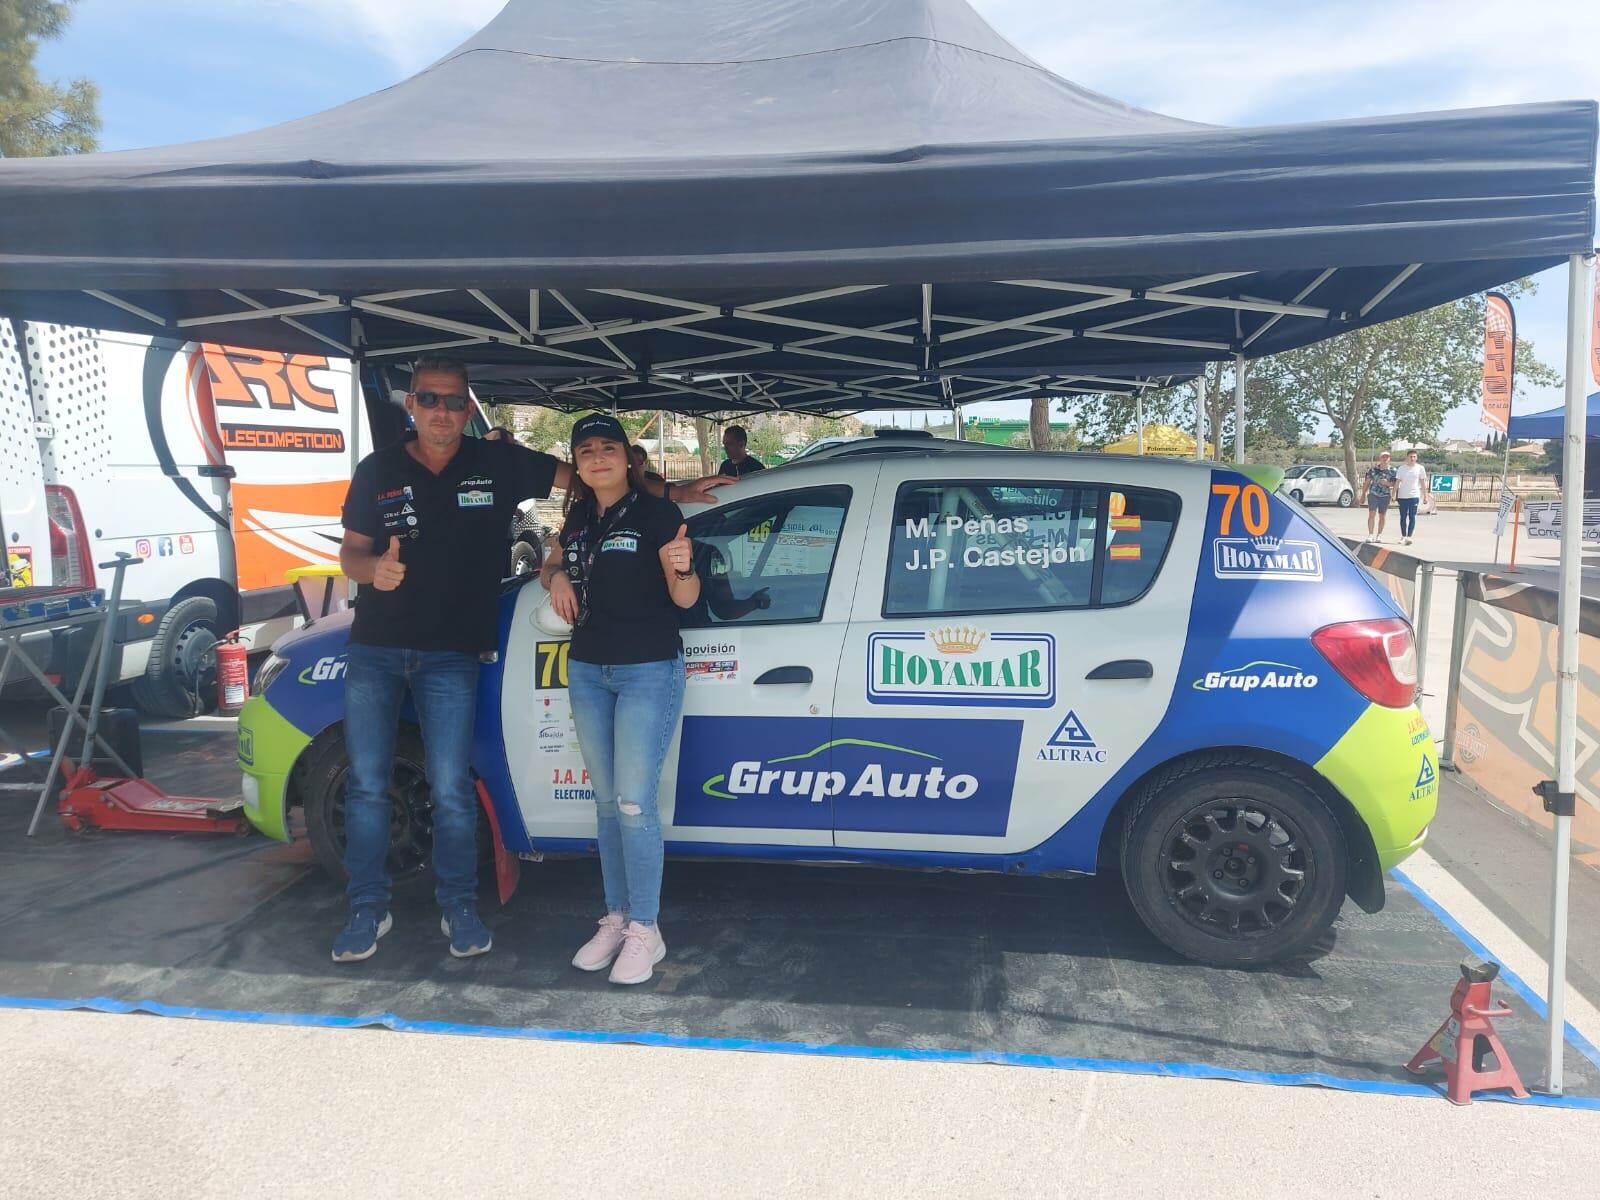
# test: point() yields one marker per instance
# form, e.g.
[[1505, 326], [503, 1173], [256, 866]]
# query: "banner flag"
[[1508, 502], [1499, 361]]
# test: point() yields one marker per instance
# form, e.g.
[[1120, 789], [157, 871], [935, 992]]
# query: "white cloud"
[[409, 33], [1243, 62]]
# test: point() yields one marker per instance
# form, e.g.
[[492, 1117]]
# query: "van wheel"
[[1233, 862], [181, 678], [327, 774], [1346, 498]]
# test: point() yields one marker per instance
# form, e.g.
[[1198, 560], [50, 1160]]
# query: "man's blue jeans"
[[444, 690], [625, 717]]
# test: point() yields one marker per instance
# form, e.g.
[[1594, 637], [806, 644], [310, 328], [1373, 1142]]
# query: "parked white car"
[[1318, 485]]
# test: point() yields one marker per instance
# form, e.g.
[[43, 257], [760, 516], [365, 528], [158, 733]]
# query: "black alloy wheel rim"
[[410, 817], [194, 663], [1235, 867]]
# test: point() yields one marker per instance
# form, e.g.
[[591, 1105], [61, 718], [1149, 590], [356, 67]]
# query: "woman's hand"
[[677, 556], [563, 598]]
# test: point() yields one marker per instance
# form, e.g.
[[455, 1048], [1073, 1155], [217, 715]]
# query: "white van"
[[220, 467]]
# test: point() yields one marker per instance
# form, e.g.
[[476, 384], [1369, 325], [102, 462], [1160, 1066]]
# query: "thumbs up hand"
[[389, 572], [678, 554]]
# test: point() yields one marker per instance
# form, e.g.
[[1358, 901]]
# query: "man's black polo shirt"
[[453, 540], [739, 470]]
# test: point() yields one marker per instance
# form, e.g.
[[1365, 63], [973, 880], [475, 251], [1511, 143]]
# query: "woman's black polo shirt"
[[453, 530], [632, 618]]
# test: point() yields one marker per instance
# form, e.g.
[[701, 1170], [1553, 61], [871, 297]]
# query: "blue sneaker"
[[359, 938], [468, 935]]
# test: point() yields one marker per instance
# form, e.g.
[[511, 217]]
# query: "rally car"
[[1000, 661]]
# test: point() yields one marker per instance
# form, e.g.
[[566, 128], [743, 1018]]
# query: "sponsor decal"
[[241, 378], [1266, 558], [550, 665], [1418, 731], [1427, 780], [620, 541], [893, 775], [475, 498], [185, 544], [712, 670], [277, 438], [1071, 743], [19, 565], [568, 783], [961, 665], [247, 745], [164, 547], [1470, 744], [1259, 675], [330, 667], [143, 548]]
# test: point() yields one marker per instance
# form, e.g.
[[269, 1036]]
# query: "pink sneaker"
[[598, 951], [642, 949]]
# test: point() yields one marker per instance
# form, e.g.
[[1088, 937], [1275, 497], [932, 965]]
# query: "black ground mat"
[[999, 966]]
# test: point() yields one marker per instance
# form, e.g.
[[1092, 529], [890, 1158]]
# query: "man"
[[639, 464], [1377, 489], [1413, 485], [424, 536], [740, 461]]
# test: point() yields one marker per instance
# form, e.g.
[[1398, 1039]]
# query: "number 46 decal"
[[1250, 499]]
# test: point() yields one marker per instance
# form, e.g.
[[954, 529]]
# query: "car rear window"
[[988, 546]]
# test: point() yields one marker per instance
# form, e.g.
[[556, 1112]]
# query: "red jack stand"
[[137, 804], [1464, 1041]]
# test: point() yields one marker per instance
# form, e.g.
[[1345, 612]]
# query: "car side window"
[[988, 547], [766, 561]]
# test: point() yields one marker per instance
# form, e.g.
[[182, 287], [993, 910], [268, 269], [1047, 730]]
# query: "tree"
[[38, 116], [1394, 380], [1039, 422]]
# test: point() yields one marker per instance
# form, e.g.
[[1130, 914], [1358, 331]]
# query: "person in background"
[[1376, 490], [625, 572], [639, 464], [1412, 479], [740, 461]]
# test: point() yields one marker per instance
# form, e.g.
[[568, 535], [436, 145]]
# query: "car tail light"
[[71, 563], [1377, 658]]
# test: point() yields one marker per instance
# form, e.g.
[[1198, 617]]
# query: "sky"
[[179, 70]]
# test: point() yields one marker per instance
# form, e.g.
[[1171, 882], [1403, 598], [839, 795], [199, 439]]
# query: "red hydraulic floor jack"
[[88, 800]]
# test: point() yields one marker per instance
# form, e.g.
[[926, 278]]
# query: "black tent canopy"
[[737, 204]]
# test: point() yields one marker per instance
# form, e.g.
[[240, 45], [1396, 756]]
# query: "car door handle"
[[786, 675], [1123, 668]]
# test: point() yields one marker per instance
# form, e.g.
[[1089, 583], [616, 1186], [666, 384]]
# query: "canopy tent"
[[1167, 441], [1551, 422], [599, 191]]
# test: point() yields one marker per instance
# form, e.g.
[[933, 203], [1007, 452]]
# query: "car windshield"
[[1294, 472]]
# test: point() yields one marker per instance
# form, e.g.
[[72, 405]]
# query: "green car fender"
[[1387, 766], [269, 745]]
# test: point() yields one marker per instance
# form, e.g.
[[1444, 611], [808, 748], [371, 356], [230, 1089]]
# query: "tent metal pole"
[[1138, 416], [1238, 408], [1570, 597], [1200, 417]]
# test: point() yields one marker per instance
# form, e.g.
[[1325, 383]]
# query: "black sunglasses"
[[454, 401]]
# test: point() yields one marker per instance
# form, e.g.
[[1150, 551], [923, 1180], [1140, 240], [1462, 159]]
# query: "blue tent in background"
[[1550, 422]]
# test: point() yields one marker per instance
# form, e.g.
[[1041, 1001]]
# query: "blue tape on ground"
[[1511, 979], [1003, 1058]]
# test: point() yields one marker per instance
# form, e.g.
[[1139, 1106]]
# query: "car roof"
[[881, 445]]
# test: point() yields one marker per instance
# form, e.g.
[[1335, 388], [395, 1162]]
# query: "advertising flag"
[[1499, 361]]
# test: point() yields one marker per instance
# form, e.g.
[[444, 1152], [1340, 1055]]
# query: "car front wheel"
[[1233, 862], [327, 775]]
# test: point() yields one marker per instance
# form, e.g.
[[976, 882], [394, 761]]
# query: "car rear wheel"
[[181, 678], [1346, 498], [1299, 496], [1233, 862]]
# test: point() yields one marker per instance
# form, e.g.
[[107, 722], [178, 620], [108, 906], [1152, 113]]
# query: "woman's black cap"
[[597, 425]]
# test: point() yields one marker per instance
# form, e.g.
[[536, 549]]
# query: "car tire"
[[181, 678], [1299, 496], [1233, 862], [1346, 498], [524, 559], [326, 774]]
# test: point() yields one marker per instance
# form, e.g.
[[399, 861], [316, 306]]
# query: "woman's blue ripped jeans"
[[625, 717]]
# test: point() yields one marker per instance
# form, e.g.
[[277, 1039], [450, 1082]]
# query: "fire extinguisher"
[[233, 674]]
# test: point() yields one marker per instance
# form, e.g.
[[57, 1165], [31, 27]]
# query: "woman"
[[625, 570]]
